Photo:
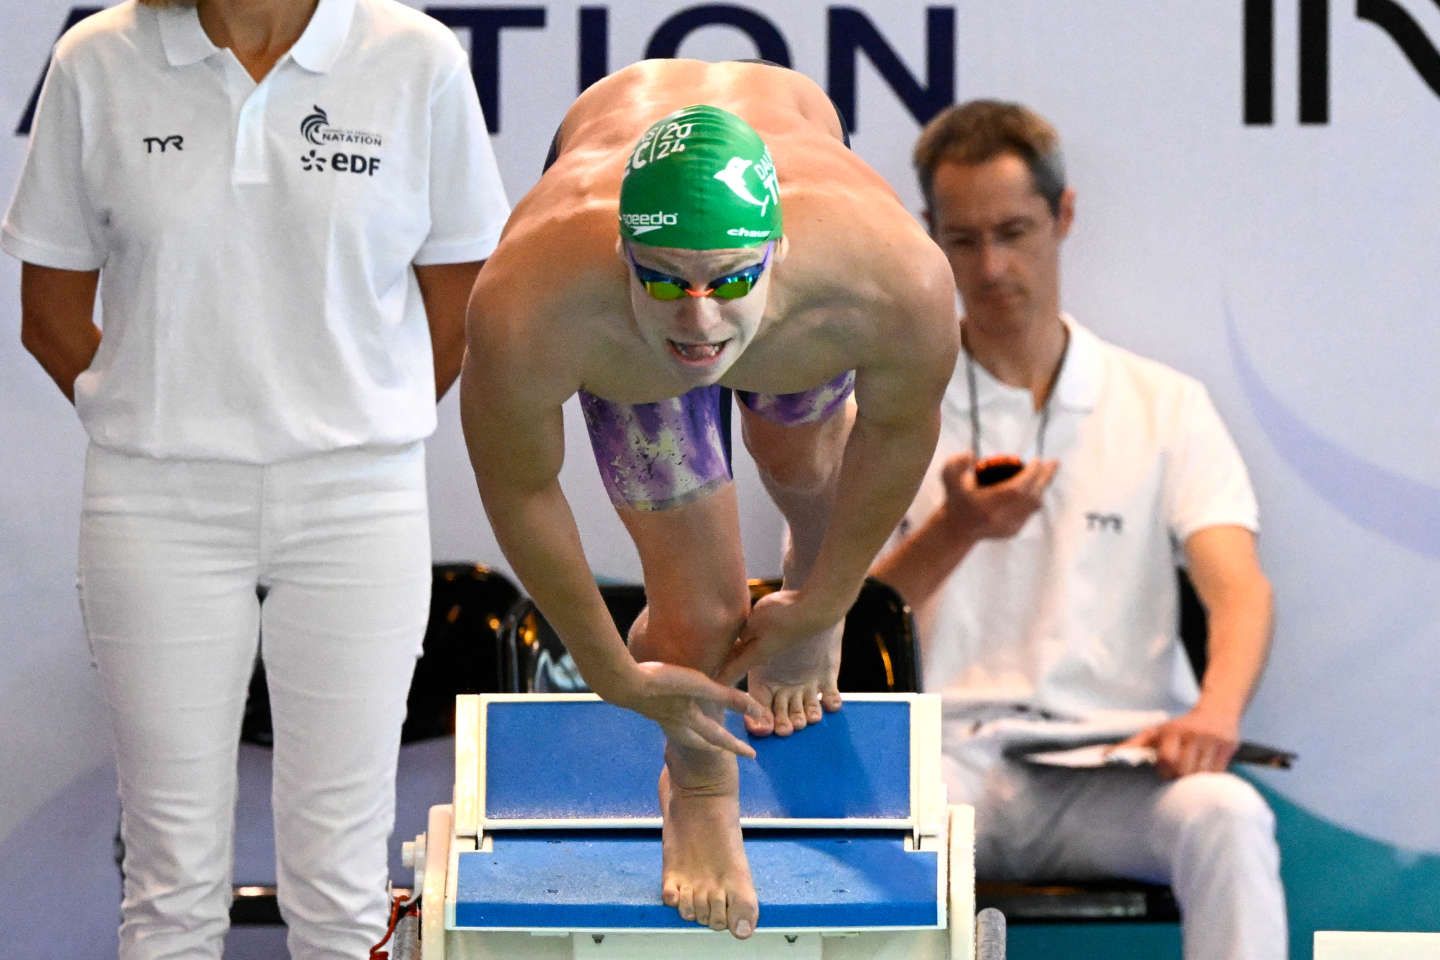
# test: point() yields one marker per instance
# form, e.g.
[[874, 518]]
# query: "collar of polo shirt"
[[1080, 376], [185, 40]]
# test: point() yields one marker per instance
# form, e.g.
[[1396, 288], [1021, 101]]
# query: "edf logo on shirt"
[[341, 162]]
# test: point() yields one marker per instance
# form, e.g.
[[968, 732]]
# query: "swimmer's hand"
[[792, 655], [778, 621], [676, 697]]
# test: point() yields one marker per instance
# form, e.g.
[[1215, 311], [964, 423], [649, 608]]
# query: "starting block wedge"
[[551, 845]]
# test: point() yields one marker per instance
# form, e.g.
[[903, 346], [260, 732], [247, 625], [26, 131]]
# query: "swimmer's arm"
[[883, 463], [880, 470], [908, 363], [515, 433], [516, 438], [890, 444]]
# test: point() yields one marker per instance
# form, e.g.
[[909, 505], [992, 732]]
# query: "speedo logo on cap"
[[645, 222]]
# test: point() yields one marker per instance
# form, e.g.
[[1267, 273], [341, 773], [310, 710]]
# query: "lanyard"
[[1044, 407]]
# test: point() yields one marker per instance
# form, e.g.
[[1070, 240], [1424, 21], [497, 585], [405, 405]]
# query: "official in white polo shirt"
[[284, 204], [1047, 600]]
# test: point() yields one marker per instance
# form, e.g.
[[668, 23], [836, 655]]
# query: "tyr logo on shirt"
[[160, 144], [1105, 521]]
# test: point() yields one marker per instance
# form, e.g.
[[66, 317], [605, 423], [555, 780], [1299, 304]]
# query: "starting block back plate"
[[582, 760], [609, 880]]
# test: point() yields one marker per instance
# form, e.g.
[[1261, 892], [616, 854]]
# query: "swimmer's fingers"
[[746, 653], [676, 697], [700, 732], [765, 725], [663, 680], [727, 697]]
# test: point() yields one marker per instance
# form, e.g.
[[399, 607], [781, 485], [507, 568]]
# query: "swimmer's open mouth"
[[697, 353]]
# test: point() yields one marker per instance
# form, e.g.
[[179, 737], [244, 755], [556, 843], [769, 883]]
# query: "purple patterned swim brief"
[[655, 456]]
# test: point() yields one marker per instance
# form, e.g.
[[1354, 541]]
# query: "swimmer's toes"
[[795, 707], [716, 918], [813, 712], [744, 913], [783, 727]]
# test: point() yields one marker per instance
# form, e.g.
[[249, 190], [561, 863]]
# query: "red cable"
[[398, 909]]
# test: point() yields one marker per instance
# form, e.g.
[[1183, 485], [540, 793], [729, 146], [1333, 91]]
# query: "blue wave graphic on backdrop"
[[1401, 510]]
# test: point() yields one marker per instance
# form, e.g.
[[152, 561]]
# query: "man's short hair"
[[981, 130]]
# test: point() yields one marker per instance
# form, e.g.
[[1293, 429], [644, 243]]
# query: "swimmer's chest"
[[792, 353]]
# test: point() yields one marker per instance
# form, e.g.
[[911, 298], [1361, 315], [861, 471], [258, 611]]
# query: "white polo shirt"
[[255, 241], [1076, 614]]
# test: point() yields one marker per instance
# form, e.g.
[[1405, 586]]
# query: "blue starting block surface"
[[583, 760], [611, 880]]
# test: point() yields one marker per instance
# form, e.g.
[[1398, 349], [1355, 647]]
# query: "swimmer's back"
[[778, 102], [790, 111]]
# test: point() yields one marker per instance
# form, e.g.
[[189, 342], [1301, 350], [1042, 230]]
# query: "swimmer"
[[701, 229]]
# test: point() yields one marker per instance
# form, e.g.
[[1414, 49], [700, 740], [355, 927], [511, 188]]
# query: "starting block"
[[551, 846]]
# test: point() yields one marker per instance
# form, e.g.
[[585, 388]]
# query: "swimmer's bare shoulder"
[[872, 291], [543, 308]]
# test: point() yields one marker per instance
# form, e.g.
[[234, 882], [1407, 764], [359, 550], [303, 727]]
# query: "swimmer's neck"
[[1028, 357]]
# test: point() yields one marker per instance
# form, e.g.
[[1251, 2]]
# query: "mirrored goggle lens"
[[734, 288], [664, 289]]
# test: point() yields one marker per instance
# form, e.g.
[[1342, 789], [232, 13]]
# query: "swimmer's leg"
[[698, 601], [800, 465]]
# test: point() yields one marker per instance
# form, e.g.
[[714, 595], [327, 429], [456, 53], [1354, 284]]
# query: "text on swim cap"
[[645, 222], [659, 144]]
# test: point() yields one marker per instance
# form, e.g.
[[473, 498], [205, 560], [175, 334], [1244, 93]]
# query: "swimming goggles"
[[732, 286]]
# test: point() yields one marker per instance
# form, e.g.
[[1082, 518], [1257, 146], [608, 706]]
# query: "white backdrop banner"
[[1257, 206]]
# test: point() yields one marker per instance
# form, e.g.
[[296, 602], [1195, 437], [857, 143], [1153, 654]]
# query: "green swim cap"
[[700, 179]]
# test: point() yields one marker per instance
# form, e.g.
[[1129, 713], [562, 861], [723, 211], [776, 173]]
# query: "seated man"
[[649, 271], [1047, 600]]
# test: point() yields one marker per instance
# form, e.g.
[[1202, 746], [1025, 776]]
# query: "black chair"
[[877, 656], [1116, 900], [462, 653]]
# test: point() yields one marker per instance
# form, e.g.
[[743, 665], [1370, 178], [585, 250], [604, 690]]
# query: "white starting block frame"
[[821, 800], [1346, 945]]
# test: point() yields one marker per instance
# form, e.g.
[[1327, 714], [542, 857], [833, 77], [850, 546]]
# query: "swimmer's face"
[[1001, 239], [700, 337]]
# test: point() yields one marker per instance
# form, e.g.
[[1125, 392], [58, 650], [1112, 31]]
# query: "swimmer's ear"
[[620, 249], [782, 247]]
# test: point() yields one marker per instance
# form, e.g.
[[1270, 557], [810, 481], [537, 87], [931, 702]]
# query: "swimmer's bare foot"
[[798, 686], [706, 876]]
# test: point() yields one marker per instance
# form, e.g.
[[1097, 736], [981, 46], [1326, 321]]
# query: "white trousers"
[[171, 556], [1210, 836]]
